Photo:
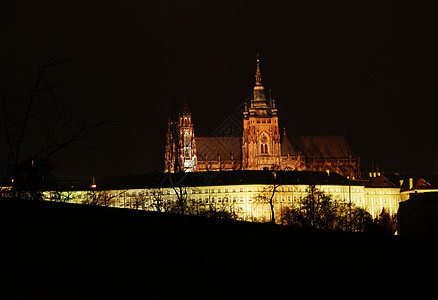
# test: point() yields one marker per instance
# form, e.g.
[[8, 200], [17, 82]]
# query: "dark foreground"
[[59, 251]]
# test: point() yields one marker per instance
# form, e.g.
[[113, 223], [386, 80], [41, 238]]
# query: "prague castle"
[[260, 146], [233, 170]]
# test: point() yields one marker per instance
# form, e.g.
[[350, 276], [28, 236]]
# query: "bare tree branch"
[[44, 117]]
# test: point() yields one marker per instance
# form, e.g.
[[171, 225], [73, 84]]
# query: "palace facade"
[[259, 146], [236, 192]]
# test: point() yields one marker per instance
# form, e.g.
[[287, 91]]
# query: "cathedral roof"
[[322, 146], [287, 148], [225, 147]]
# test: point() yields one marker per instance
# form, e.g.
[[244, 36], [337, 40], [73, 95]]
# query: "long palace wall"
[[243, 199]]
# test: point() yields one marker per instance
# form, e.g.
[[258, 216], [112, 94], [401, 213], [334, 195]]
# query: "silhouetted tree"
[[181, 192], [37, 126], [267, 195], [101, 197], [319, 210], [384, 223], [315, 210], [62, 196], [157, 201], [138, 200], [215, 207], [360, 219]]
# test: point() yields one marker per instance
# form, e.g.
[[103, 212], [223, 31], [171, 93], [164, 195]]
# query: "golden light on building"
[[258, 145], [237, 192]]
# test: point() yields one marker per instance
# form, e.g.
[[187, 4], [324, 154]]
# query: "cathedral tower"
[[180, 152], [261, 146]]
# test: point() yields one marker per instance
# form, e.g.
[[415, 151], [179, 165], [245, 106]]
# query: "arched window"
[[264, 144], [264, 148]]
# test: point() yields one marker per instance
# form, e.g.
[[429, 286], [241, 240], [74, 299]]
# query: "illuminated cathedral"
[[259, 145]]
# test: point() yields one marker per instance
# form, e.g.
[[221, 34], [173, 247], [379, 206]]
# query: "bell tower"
[[261, 146], [187, 142], [180, 152]]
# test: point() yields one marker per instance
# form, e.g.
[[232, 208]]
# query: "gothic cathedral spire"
[[181, 151], [260, 105], [261, 146], [258, 75], [184, 105], [259, 90]]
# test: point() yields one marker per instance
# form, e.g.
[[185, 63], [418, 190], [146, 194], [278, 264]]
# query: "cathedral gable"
[[259, 147]]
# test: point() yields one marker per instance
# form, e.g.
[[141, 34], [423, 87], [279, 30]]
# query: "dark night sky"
[[366, 68]]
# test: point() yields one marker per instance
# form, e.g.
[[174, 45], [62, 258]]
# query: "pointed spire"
[[258, 75], [270, 97], [259, 90], [184, 105]]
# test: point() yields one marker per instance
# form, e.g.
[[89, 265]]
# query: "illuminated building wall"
[[379, 193], [180, 152], [259, 145], [242, 198], [378, 198]]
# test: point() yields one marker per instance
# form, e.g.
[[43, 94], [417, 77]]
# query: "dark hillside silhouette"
[[65, 251]]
